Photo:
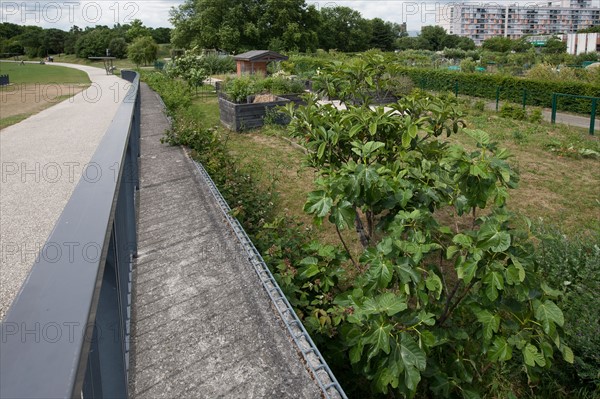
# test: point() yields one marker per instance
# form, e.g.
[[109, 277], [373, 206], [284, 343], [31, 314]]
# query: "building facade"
[[481, 21], [582, 43]]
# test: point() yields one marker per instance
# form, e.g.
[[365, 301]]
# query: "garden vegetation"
[[435, 288]]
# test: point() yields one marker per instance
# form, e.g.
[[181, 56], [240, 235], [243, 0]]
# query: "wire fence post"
[[524, 98], [456, 88], [593, 116], [553, 116], [498, 96]]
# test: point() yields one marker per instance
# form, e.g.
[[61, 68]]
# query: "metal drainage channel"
[[319, 368]]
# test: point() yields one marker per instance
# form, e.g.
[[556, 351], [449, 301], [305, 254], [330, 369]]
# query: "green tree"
[[432, 300], [93, 42], [465, 43], [498, 44], [434, 38], [71, 40], [521, 45], [383, 36], [591, 29], [406, 43], [189, 67], [137, 29], [53, 41], [344, 29], [143, 50], [161, 35], [31, 40], [118, 47], [468, 65], [9, 30], [291, 22], [554, 46], [12, 47], [455, 53], [228, 24]]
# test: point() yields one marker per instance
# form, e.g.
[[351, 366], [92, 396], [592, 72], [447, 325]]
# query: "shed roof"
[[260, 55]]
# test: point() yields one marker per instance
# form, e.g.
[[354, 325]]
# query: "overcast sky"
[[63, 14]]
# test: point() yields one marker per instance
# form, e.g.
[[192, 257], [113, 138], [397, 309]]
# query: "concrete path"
[[42, 159], [202, 323], [572, 120], [565, 119]]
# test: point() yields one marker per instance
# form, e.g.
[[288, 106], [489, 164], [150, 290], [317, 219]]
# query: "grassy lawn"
[[42, 74], [558, 185], [118, 63]]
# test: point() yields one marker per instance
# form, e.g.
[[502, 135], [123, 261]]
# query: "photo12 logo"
[[71, 12], [55, 93]]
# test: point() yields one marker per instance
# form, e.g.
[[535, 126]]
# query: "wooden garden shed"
[[256, 61]]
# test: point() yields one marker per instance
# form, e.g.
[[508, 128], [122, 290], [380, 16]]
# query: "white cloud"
[[63, 14], [415, 13]]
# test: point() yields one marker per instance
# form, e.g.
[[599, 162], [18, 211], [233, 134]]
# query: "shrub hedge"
[[539, 93]]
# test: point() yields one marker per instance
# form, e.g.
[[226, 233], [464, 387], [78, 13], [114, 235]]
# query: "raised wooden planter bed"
[[295, 98], [239, 117]]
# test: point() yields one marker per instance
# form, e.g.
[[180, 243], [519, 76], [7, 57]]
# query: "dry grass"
[[18, 102], [556, 185], [560, 190], [278, 165]]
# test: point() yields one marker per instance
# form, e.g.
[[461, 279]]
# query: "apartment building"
[[582, 43], [481, 21]]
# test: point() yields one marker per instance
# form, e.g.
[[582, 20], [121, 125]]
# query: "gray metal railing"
[[66, 335]]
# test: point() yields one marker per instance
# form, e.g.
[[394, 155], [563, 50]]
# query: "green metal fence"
[[556, 96]]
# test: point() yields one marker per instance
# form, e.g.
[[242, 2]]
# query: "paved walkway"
[[42, 159], [566, 119], [202, 324]]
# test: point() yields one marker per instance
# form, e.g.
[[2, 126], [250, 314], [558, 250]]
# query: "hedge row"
[[538, 93]]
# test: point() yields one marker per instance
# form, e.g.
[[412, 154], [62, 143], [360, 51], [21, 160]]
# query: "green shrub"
[[239, 88], [249, 204], [278, 85], [174, 93], [479, 105], [468, 65], [574, 265], [407, 323], [217, 64], [535, 116], [539, 92], [401, 85], [508, 110]]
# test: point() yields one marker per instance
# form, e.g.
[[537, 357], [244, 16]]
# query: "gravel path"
[[42, 158]]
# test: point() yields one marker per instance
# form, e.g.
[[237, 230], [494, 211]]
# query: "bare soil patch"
[[264, 98], [31, 98]]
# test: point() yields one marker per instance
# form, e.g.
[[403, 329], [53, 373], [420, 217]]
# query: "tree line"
[[292, 25], [280, 25], [233, 26], [34, 41]]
